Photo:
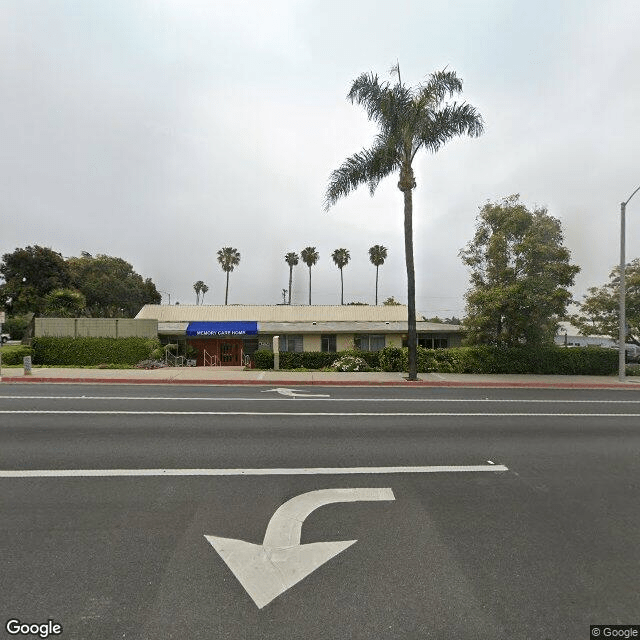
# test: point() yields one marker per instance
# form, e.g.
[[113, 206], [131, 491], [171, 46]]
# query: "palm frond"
[[358, 169], [440, 84], [453, 120]]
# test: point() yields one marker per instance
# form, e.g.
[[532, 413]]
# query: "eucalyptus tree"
[[341, 258], [309, 256], [229, 258], [409, 119], [197, 287], [292, 260], [377, 256], [203, 289]]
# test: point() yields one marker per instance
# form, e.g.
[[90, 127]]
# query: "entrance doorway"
[[226, 352], [230, 353]]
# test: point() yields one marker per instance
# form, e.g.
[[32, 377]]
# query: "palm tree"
[[309, 256], [203, 290], [197, 287], [228, 258], [377, 255], [409, 119], [292, 260], [341, 258]]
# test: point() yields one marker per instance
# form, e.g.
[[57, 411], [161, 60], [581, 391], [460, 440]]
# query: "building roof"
[[180, 328], [274, 313]]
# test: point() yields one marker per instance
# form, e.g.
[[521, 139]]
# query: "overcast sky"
[[160, 131]]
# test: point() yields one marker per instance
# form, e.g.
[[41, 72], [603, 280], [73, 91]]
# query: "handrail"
[[210, 360]]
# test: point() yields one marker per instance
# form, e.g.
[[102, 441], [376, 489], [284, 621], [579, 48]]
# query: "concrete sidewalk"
[[236, 376]]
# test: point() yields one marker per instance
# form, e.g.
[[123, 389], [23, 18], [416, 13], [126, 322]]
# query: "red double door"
[[225, 352]]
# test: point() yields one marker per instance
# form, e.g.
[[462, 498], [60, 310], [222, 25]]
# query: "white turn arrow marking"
[[266, 570], [291, 393]]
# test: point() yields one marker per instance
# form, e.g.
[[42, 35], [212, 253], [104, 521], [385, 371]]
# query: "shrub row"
[[14, 354], [550, 360], [83, 352], [263, 359]]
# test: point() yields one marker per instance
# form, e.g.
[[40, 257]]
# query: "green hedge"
[[551, 360], [14, 354], [83, 352]]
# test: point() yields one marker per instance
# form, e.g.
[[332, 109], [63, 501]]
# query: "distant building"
[[570, 336], [228, 334]]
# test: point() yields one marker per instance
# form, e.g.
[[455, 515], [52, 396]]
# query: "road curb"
[[333, 383]]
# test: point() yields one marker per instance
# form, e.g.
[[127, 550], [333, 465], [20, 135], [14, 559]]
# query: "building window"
[[367, 342], [328, 342], [291, 343], [432, 341]]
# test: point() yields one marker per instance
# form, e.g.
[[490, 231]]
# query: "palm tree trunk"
[[377, 267], [290, 279], [412, 338], [341, 287], [226, 293], [309, 285]]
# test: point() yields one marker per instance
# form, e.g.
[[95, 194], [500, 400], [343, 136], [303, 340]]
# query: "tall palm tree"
[[341, 258], [292, 260], [309, 256], [377, 255], [228, 258], [197, 287], [409, 119], [203, 289]]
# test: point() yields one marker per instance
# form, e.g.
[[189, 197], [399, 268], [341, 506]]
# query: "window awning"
[[221, 329]]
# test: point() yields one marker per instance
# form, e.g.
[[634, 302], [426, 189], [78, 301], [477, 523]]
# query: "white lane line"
[[265, 399], [107, 473], [317, 413]]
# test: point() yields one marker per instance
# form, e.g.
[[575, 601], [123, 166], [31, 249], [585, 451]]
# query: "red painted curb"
[[346, 383]]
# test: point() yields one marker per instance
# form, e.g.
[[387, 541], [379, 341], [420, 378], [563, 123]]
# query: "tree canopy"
[[39, 280], [110, 285], [520, 272], [30, 274], [599, 312]]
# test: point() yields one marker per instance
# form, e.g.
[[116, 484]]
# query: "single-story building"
[[229, 334]]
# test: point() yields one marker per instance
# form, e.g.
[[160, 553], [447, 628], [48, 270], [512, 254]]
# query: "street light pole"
[[622, 327], [160, 291]]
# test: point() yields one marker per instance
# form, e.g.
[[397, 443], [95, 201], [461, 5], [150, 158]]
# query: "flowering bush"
[[350, 363]]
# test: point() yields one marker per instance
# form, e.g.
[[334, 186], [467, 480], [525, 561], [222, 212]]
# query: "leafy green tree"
[[599, 313], [377, 256], [29, 275], [197, 287], [110, 285], [64, 303], [309, 256], [229, 258], [409, 119], [391, 302], [203, 289], [520, 274], [341, 259], [292, 260]]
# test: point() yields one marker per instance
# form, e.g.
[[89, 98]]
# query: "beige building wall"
[[96, 327], [55, 327]]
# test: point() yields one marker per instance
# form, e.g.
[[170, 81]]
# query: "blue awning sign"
[[222, 329]]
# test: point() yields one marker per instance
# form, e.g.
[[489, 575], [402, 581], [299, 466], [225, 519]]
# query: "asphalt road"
[[510, 514]]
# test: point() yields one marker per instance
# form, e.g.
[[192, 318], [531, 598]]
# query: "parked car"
[[5, 337]]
